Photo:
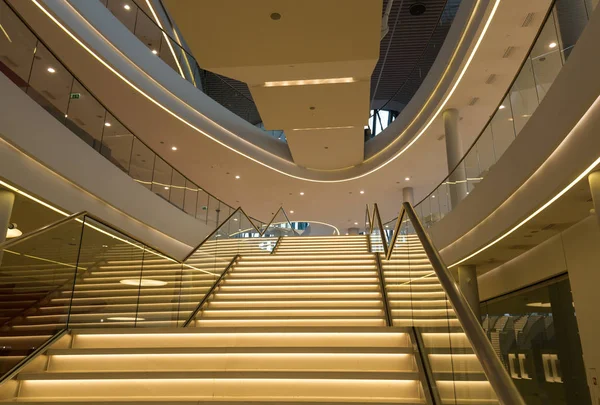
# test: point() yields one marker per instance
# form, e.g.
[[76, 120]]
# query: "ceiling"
[[260, 190]]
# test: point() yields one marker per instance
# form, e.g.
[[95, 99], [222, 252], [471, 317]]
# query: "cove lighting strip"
[[152, 100], [587, 171], [322, 128], [285, 83]]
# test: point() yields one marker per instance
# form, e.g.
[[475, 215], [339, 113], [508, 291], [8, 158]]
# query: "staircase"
[[306, 324]]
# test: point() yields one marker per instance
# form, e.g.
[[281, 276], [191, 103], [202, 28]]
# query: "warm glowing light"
[[166, 187], [407, 178], [237, 177], [552, 45], [291, 212], [540, 304], [126, 7], [321, 128], [362, 191], [301, 192], [501, 107], [337, 80], [154, 51], [124, 319], [51, 70], [356, 223], [173, 147], [13, 233], [107, 124], [144, 282]]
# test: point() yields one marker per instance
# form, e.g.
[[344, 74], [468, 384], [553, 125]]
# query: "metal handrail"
[[388, 254], [495, 372], [386, 304], [40, 230], [209, 293], [273, 219], [381, 231]]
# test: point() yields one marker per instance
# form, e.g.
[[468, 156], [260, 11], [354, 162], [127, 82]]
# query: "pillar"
[[466, 278], [594, 181], [454, 153], [408, 195], [7, 200]]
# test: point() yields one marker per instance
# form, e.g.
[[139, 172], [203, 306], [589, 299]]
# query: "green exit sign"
[[75, 96]]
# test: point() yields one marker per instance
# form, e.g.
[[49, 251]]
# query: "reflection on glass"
[[86, 117], [535, 332], [161, 178], [177, 189], [117, 143], [17, 47], [190, 198]]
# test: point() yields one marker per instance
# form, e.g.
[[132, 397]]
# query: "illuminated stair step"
[[441, 323], [296, 321], [309, 257], [357, 303], [326, 272], [290, 294], [276, 312], [305, 288], [298, 281]]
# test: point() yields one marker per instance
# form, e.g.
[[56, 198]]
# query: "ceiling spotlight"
[[501, 107], [432, 196], [291, 212], [552, 45], [346, 233], [107, 124], [237, 177], [51, 70], [235, 219], [127, 7], [173, 147], [154, 51], [166, 188], [362, 191], [356, 223], [13, 232], [301, 192], [407, 178]]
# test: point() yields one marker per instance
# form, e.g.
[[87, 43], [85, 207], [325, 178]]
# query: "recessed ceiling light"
[[154, 51], [275, 16], [362, 191], [237, 177], [301, 192], [235, 219], [145, 282], [107, 124], [291, 212], [407, 178], [126, 7], [346, 233], [166, 188], [51, 70], [501, 107], [552, 45], [356, 223], [173, 147], [336, 80], [432, 196]]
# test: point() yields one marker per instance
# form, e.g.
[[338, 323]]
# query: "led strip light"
[[147, 96]]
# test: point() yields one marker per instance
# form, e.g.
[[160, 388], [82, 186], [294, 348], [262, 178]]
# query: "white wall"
[[576, 250], [71, 175]]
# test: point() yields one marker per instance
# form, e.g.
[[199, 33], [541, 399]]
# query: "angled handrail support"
[[397, 227], [209, 293], [276, 245], [381, 231], [495, 372]]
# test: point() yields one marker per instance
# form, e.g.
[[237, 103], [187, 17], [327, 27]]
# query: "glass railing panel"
[[142, 163], [523, 96], [472, 169], [162, 175], [86, 117], [486, 151], [177, 192], [49, 83], [202, 206], [36, 282], [546, 56], [117, 144], [419, 302], [503, 128], [190, 198], [110, 280], [280, 226], [213, 210], [17, 48]]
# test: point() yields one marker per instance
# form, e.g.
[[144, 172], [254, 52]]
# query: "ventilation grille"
[[473, 101], [528, 20], [491, 79], [508, 52]]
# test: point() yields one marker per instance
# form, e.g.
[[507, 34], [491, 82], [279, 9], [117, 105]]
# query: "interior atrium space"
[[300, 202]]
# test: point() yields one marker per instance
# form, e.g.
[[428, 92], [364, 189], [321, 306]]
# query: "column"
[[466, 278], [7, 199], [408, 195], [594, 180], [454, 153]]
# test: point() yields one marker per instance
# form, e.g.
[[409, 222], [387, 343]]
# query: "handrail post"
[[381, 231], [209, 293], [388, 256], [386, 303], [495, 372], [276, 245]]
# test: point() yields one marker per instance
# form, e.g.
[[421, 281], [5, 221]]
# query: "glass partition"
[[534, 330], [280, 225], [34, 68]]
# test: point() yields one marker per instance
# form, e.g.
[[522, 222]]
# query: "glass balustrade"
[[28, 63], [540, 68]]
